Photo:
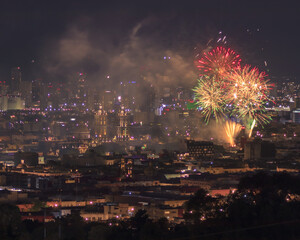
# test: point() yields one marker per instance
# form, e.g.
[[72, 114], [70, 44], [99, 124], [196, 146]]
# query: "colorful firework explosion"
[[219, 62], [225, 89], [249, 90], [210, 97]]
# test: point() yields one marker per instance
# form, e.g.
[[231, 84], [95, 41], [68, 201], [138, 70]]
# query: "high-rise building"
[[26, 92], [3, 103], [296, 116], [101, 124], [15, 102], [16, 79], [39, 99], [123, 133], [90, 104], [79, 94], [258, 149], [81, 90], [107, 100], [3, 88]]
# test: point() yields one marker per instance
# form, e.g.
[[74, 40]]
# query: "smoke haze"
[[135, 57]]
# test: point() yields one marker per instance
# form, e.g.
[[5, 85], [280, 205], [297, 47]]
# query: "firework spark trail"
[[232, 129], [251, 128]]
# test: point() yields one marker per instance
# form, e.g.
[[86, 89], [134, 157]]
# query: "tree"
[[37, 206], [139, 219], [264, 199], [10, 221], [100, 232], [73, 226], [199, 207], [155, 230]]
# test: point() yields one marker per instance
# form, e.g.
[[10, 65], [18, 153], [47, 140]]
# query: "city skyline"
[[149, 120]]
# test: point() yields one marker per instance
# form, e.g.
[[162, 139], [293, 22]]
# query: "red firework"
[[218, 62]]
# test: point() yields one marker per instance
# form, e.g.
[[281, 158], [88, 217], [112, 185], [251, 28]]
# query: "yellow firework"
[[210, 97], [249, 91], [251, 128]]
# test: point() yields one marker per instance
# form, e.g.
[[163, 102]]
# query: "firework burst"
[[225, 90], [249, 90], [210, 97], [218, 62]]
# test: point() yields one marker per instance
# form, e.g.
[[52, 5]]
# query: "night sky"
[[66, 36]]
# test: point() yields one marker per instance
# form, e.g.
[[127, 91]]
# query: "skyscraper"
[[101, 124], [16, 78], [123, 134], [26, 92]]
